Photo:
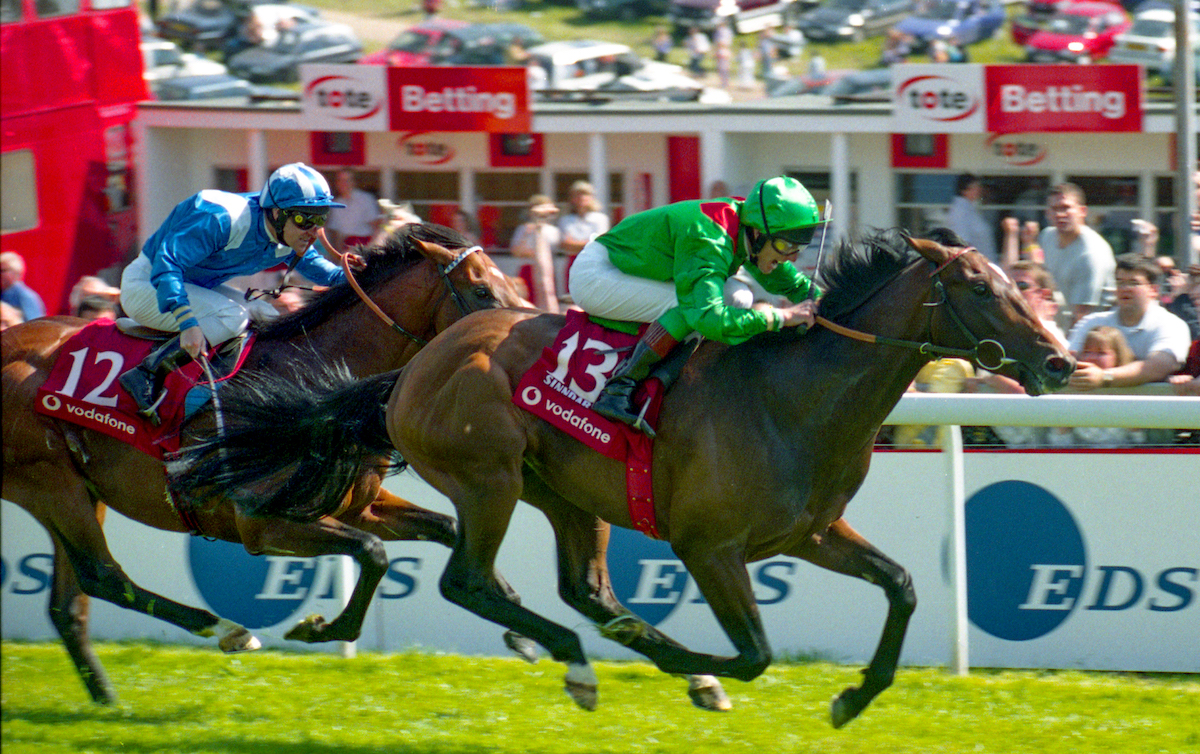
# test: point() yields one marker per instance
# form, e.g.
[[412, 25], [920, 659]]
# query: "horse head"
[[978, 309], [472, 279]]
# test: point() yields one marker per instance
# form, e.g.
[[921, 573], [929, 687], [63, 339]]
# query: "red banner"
[[435, 98], [1040, 98]]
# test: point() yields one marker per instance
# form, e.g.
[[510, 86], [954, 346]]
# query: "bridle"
[[926, 348], [444, 271]]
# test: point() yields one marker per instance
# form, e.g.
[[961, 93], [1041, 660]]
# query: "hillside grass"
[[198, 701]]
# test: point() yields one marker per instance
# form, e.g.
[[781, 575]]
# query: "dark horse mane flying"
[[384, 262], [855, 271]]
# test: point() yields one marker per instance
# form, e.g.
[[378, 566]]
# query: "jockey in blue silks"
[[176, 283]]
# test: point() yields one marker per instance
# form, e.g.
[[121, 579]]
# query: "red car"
[[420, 44], [1078, 33]]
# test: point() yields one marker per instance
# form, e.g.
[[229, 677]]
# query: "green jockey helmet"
[[781, 207]]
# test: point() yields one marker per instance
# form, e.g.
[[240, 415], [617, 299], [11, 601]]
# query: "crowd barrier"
[[1046, 558]]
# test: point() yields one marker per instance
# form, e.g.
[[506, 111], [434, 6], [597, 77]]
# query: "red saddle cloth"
[[561, 386], [83, 389]]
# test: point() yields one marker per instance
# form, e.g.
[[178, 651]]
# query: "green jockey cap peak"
[[782, 207]]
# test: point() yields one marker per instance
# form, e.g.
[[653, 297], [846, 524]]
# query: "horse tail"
[[290, 448]]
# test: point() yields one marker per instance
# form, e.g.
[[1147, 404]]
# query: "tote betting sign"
[[967, 98], [493, 99]]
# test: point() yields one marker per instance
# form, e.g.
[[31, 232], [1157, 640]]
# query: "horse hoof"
[[582, 686], [522, 646], [707, 693], [843, 709], [239, 640], [307, 630]]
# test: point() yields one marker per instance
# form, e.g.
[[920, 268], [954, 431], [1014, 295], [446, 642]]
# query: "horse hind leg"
[[69, 610], [470, 581], [843, 550], [584, 584]]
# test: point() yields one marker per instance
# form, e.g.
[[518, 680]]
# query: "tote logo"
[[420, 147], [938, 98], [344, 97], [1016, 152]]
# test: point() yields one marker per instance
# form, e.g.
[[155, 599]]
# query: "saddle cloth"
[[83, 389], [561, 386]]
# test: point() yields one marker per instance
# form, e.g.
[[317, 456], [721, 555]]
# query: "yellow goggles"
[[305, 221]]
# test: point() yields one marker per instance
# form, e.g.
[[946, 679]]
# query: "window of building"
[[18, 191], [502, 198], [433, 194], [52, 8], [922, 199]]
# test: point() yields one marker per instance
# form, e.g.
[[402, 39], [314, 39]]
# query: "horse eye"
[[482, 292], [980, 289]]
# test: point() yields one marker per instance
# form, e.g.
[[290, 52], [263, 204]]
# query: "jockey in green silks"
[[669, 266]]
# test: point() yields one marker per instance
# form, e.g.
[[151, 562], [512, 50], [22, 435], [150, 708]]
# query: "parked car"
[[1151, 41], [839, 84], [215, 86], [591, 65], [163, 60], [626, 10], [461, 44], [208, 24], [966, 21], [306, 41], [851, 20], [748, 15], [418, 44], [1079, 33]]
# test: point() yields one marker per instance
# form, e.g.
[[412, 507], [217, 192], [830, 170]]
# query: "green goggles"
[[304, 220]]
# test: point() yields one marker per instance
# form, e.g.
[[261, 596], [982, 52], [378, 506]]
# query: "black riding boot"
[[616, 401], [145, 381]]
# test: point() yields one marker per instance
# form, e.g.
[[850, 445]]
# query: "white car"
[[164, 60], [590, 65], [1151, 41]]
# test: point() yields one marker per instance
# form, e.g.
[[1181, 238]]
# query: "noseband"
[[444, 271], [927, 348]]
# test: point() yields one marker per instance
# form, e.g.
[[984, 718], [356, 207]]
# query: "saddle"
[[562, 384], [83, 389]]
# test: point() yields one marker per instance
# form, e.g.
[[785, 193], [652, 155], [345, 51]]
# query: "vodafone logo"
[[52, 403], [937, 98], [342, 97], [1015, 151]]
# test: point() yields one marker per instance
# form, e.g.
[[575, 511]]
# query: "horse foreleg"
[[843, 550], [69, 615], [325, 536]]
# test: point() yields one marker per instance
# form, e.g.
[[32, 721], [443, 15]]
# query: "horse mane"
[[857, 269], [398, 253]]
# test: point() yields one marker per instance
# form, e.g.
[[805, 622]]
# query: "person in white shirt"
[[357, 222], [585, 221], [1159, 340], [1078, 257], [968, 221]]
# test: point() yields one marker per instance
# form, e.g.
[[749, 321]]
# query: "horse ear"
[[931, 250], [434, 252]]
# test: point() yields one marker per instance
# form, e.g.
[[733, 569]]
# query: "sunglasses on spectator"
[[304, 221]]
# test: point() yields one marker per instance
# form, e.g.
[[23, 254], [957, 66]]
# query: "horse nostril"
[[1060, 365]]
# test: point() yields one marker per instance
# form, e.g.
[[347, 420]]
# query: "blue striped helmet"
[[297, 186]]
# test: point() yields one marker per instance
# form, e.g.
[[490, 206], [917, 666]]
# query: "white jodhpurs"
[[222, 311], [599, 288]]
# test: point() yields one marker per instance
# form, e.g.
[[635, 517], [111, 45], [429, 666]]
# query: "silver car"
[[1151, 41]]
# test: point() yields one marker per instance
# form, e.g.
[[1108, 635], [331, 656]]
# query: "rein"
[[927, 348], [443, 272]]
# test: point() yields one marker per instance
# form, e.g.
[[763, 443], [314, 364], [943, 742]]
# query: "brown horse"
[[64, 474], [760, 448]]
